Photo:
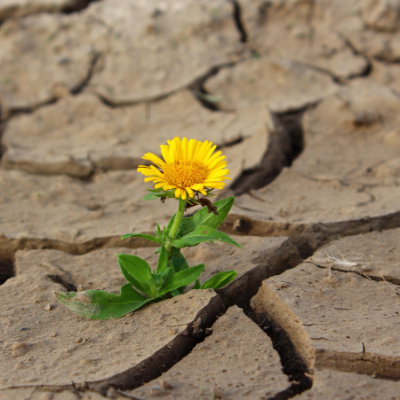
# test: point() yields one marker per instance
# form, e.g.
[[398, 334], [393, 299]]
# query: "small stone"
[[157, 390], [165, 385], [24, 329], [48, 307], [19, 349], [80, 288], [79, 340]]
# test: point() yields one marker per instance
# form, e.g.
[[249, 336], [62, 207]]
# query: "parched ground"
[[303, 98]]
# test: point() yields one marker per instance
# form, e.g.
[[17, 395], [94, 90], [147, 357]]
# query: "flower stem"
[[176, 224]]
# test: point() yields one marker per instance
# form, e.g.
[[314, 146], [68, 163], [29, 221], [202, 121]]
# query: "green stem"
[[176, 224]]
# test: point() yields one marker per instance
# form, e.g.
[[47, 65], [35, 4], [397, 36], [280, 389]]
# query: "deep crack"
[[237, 16], [286, 143], [7, 269], [15, 11], [206, 99]]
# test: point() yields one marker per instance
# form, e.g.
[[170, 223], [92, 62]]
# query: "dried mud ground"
[[303, 97]]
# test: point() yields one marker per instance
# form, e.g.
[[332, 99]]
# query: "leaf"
[[143, 287], [158, 193], [158, 231], [96, 304], [196, 285], [150, 196], [170, 223], [202, 234], [143, 236], [136, 267], [219, 280], [182, 278], [203, 217], [178, 261], [162, 260]]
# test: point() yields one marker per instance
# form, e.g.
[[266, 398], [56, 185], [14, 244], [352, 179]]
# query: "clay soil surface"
[[303, 98]]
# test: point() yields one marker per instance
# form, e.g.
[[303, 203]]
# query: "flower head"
[[189, 166]]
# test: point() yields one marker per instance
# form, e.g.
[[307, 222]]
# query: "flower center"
[[184, 174]]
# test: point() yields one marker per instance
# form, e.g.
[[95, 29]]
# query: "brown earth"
[[302, 96]]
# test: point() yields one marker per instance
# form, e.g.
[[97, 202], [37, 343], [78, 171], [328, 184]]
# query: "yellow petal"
[[218, 174], [145, 170], [203, 151], [184, 149], [183, 194], [153, 158], [190, 192], [165, 152], [215, 162], [178, 148], [192, 144], [199, 188], [178, 192], [213, 157], [156, 171], [209, 153], [216, 185], [196, 150]]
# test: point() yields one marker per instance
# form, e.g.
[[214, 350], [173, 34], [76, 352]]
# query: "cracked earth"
[[303, 96]]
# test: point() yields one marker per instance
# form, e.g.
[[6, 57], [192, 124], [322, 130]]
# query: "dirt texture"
[[81, 134], [307, 30], [333, 385], [303, 99], [372, 29], [46, 394], [279, 84], [46, 347], [169, 46], [329, 315], [236, 361], [99, 269], [374, 255], [20, 8], [64, 64], [72, 215]]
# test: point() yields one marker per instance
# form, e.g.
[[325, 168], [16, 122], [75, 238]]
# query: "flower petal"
[[153, 158], [190, 192]]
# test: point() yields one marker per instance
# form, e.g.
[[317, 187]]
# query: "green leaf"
[[178, 261], [202, 234], [158, 231], [143, 236], [158, 193], [162, 260], [203, 217], [143, 287], [182, 278], [196, 285], [150, 196], [171, 221], [136, 267], [219, 280], [96, 304]]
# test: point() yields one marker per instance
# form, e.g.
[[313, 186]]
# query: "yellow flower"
[[188, 166]]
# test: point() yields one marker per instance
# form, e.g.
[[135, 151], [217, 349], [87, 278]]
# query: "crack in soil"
[[13, 11], [286, 143], [78, 6], [238, 18], [7, 269], [365, 275]]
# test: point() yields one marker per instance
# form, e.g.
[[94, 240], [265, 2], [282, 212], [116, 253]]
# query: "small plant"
[[189, 168]]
